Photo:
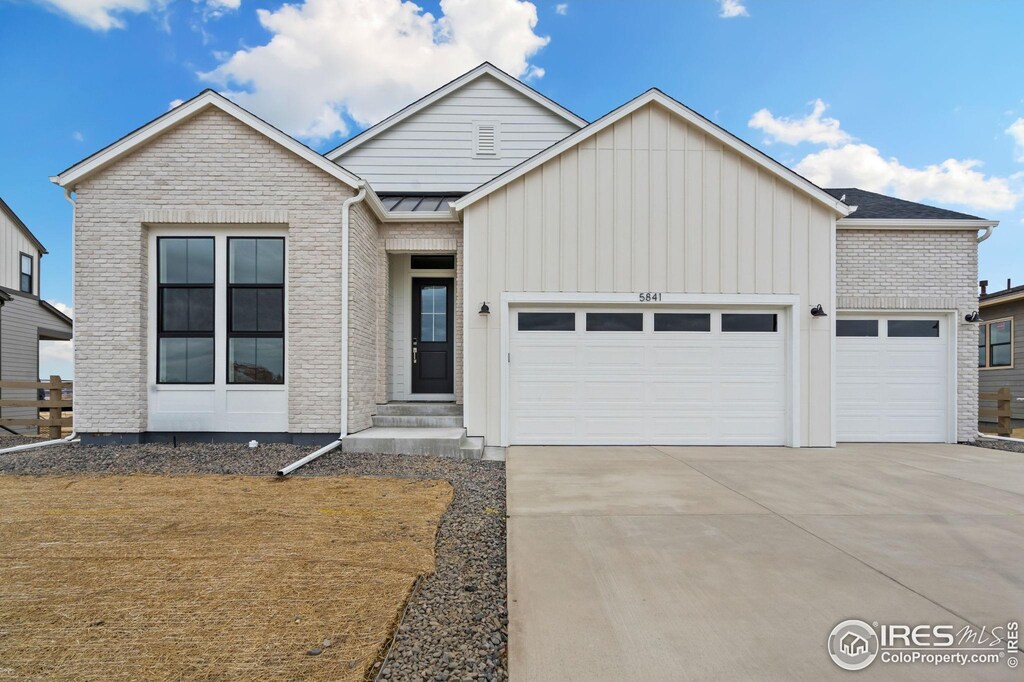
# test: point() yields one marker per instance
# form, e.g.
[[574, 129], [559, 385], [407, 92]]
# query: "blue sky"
[[917, 98]]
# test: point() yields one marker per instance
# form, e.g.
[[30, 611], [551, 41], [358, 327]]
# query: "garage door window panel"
[[917, 329], [615, 322], [750, 322], [861, 328], [546, 322], [682, 322]]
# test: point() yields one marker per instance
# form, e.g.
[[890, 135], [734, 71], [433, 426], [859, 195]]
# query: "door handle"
[[414, 351]]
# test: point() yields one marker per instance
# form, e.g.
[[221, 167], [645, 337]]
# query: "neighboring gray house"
[[647, 277], [1001, 344], [25, 319]]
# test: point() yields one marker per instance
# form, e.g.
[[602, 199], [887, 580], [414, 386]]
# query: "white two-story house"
[[25, 318]]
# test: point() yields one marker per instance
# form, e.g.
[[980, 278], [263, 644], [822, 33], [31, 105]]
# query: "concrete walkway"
[[643, 563]]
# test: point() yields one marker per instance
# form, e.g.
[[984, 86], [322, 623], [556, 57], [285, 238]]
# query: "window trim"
[[988, 345], [903, 318], [229, 334], [569, 313], [879, 324], [161, 334], [654, 322], [31, 273], [631, 313], [721, 323]]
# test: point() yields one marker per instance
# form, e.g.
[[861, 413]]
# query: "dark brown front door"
[[433, 331]]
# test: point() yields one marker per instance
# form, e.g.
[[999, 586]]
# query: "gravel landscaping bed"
[[999, 445], [456, 626]]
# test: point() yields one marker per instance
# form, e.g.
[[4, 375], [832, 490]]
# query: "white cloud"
[[953, 181], [100, 15], [562, 8], [810, 128], [730, 9], [174, 104], [327, 58], [64, 308], [56, 357], [77, 136], [1016, 131], [849, 163], [215, 9]]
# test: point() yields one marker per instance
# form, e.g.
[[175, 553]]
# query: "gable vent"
[[485, 139]]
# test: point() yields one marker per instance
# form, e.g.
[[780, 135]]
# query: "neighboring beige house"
[[485, 267], [1001, 345], [25, 318]]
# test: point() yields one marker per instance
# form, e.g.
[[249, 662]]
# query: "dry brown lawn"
[[207, 577]]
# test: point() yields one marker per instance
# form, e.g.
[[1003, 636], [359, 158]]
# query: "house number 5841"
[[649, 296]]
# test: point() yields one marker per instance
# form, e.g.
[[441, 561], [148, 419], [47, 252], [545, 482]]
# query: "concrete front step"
[[436, 442], [417, 421], [419, 410]]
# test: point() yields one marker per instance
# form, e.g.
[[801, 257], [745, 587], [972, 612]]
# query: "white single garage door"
[[892, 378], [628, 376]]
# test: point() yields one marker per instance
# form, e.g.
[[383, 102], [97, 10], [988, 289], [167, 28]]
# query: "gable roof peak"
[[679, 109], [482, 69], [202, 101]]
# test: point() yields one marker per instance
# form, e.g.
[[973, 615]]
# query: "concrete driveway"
[[644, 563]]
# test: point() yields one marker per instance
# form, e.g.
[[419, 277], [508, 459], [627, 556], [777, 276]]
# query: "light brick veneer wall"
[[364, 294], [213, 168], [418, 238], [917, 270]]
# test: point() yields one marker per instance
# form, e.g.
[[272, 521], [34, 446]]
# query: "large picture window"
[[185, 310], [255, 296], [995, 344]]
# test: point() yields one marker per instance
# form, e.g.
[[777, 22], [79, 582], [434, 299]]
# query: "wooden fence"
[[50, 417], [1001, 412]]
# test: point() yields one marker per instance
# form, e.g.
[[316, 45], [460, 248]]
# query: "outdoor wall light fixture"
[[484, 309], [818, 311], [972, 317]]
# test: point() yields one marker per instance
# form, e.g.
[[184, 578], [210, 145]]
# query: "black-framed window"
[[682, 322], [750, 322], [615, 322], [255, 294], [185, 310], [856, 327], [995, 344], [546, 322], [26, 265], [913, 328]]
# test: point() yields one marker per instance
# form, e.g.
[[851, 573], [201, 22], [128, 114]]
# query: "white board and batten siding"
[[433, 150], [14, 242], [650, 203]]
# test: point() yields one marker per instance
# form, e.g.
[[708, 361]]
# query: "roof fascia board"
[[997, 299], [691, 117], [21, 226], [183, 112], [914, 224], [49, 307], [424, 102]]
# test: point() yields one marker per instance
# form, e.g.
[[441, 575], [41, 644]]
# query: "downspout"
[[73, 438], [343, 430], [988, 233]]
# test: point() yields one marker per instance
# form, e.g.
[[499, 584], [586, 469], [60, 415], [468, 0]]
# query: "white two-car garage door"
[[665, 376], [892, 378]]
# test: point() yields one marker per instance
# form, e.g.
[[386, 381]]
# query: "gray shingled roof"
[[879, 206]]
